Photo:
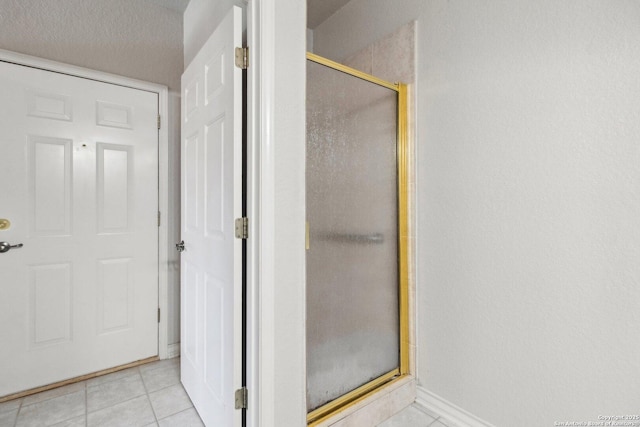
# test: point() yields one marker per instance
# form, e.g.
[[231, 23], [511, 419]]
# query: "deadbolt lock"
[[4, 224]]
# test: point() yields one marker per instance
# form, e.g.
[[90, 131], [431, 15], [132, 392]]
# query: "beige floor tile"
[[52, 411], [132, 413], [56, 392], [80, 421], [409, 417], [188, 418], [137, 396], [159, 364], [112, 377], [169, 401], [161, 377], [10, 405], [427, 411], [8, 418], [114, 392]]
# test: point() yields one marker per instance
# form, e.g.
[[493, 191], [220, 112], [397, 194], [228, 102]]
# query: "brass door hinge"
[[158, 315], [242, 398], [159, 216], [242, 228], [242, 57], [159, 121]]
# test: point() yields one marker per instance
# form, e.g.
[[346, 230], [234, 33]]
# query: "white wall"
[[136, 39], [528, 120], [287, 144]]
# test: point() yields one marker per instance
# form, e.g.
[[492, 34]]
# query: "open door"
[[211, 262]]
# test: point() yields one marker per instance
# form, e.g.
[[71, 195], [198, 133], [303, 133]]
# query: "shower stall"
[[357, 266]]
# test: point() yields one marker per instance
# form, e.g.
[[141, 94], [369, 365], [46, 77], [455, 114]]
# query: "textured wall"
[[528, 119], [136, 39]]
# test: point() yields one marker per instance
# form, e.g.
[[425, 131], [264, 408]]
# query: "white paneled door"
[[79, 187], [211, 264]]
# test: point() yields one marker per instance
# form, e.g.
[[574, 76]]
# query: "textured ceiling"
[[177, 5], [319, 10]]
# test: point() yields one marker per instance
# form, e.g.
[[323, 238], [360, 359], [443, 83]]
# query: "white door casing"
[[211, 264], [79, 167]]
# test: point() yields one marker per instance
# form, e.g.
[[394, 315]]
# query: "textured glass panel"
[[352, 261]]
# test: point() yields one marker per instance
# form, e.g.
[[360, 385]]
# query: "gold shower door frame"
[[320, 414]]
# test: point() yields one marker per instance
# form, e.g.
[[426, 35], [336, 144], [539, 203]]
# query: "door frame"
[[276, 37], [163, 167]]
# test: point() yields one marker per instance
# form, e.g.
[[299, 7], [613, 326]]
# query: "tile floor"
[[147, 395], [416, 416]]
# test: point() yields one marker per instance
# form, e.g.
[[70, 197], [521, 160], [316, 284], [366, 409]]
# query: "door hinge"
[[158, 218], [242, 398], [159, 121], [242, 57], [158, 314], [242, 228]]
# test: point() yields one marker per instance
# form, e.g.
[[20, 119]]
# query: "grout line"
[[116, 404], [124, 401], [15, 420], [170, 415], [105, 379], [48, 398], [439, 420], [76, 380], [153, 410], [86, 399], [184, 410], [160, 364], [86, 405]]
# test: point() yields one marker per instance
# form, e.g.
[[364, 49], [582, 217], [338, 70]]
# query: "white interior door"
[[211, 264], [78, 168]]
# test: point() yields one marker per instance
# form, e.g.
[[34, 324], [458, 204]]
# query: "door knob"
[[180, 246], [6, 247]]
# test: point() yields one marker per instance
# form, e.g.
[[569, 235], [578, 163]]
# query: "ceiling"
[[317, 10], [177, 5]]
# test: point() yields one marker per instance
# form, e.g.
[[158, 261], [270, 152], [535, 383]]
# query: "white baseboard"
[[437, 405], [173, 351]]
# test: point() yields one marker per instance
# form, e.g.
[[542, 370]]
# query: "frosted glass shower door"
[[353, 327]]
